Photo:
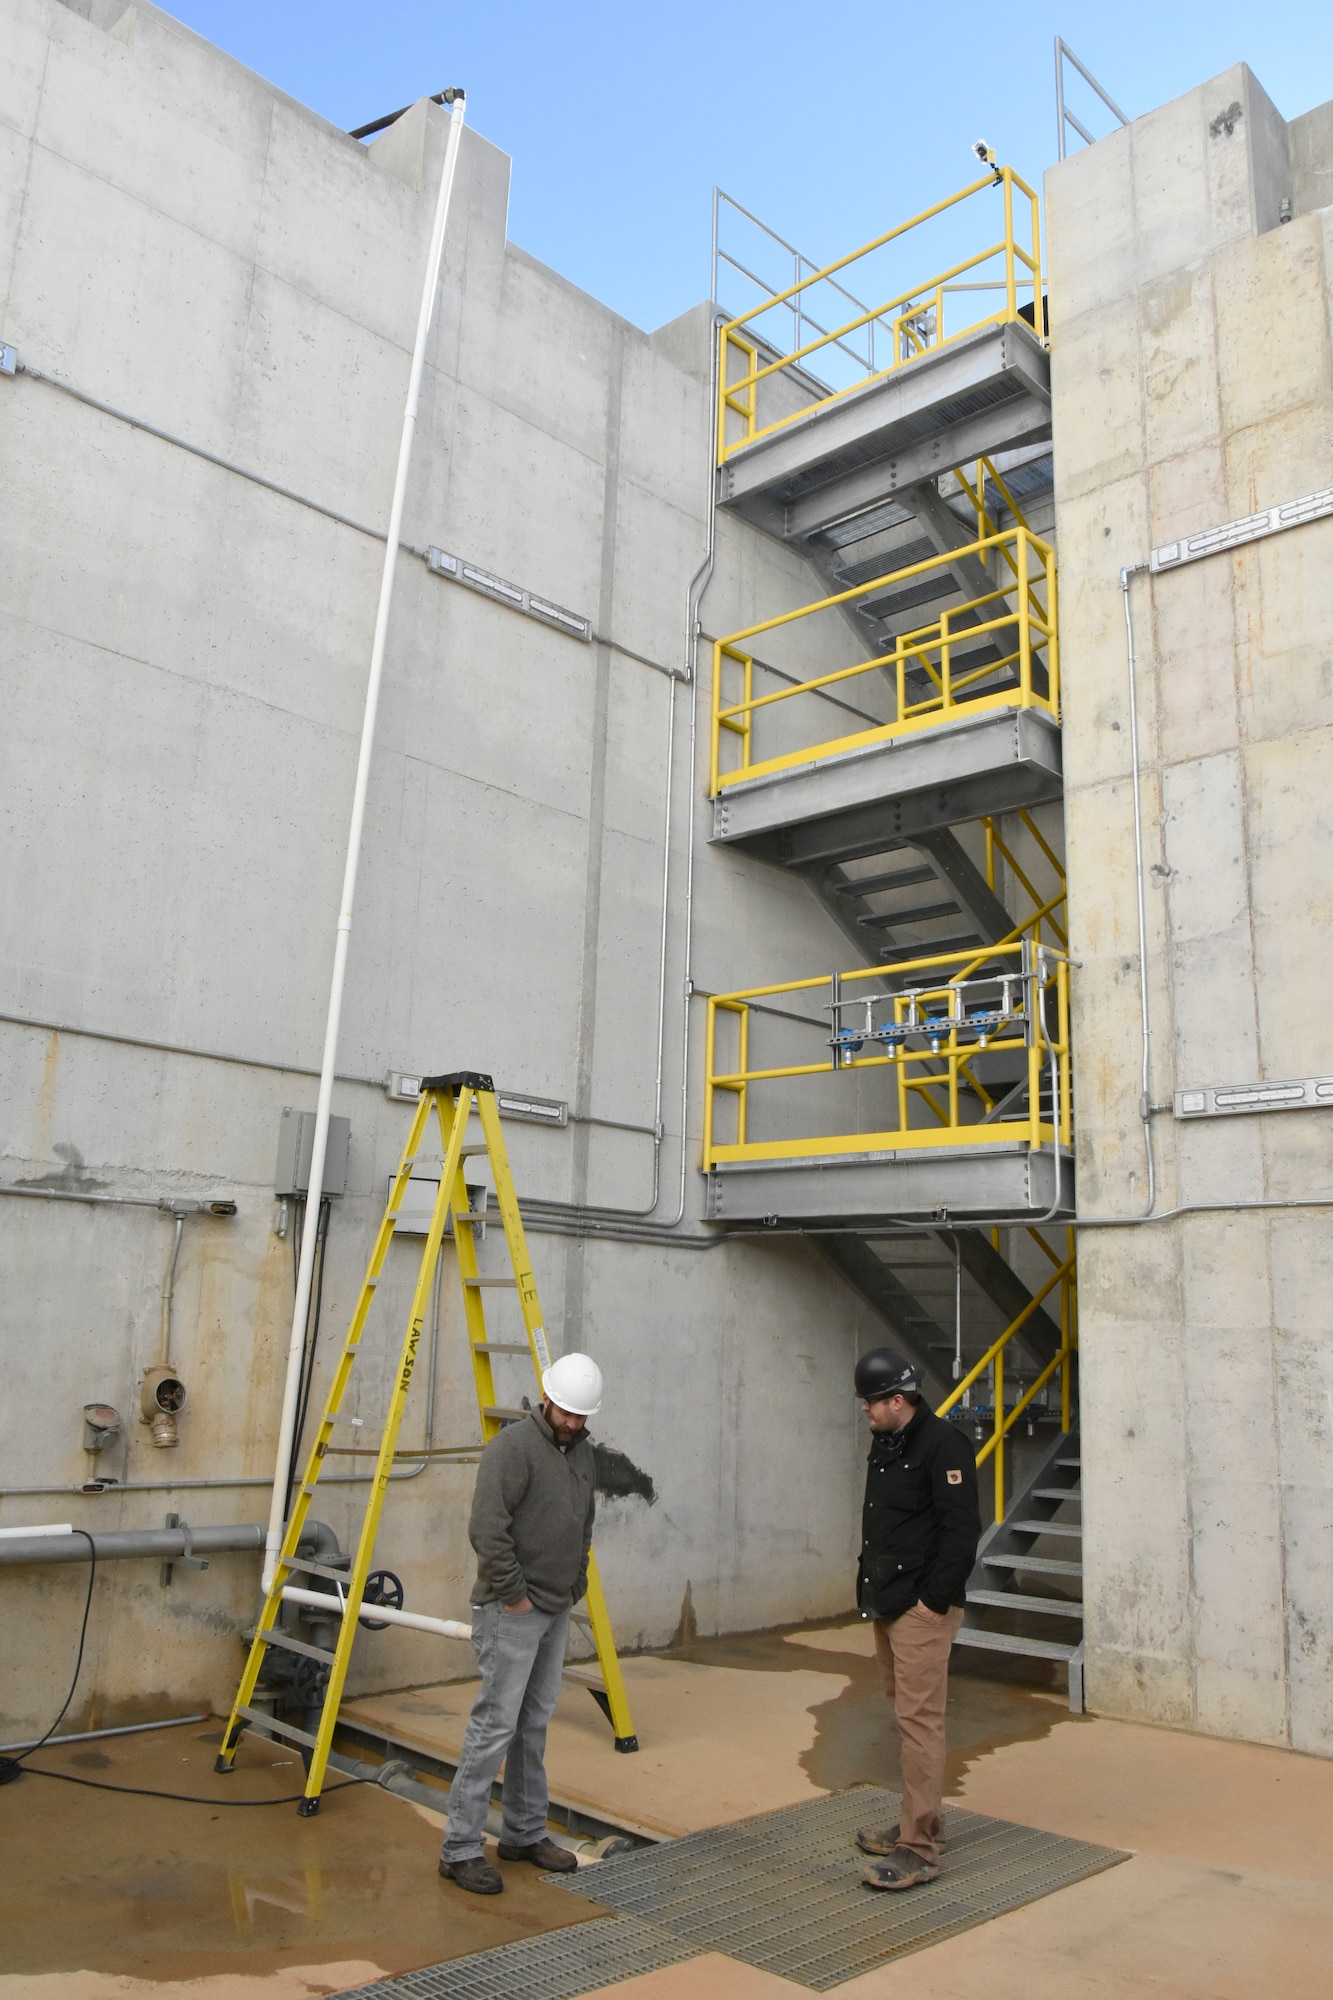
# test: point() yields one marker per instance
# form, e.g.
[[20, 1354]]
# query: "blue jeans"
[[522, 1656]]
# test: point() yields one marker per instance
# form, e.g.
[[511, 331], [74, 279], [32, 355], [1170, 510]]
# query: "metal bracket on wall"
[[1301, 1093], [187, 1560], [1235, 534], [458, 570]]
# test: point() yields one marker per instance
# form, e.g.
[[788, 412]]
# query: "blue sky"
[[830, 126]]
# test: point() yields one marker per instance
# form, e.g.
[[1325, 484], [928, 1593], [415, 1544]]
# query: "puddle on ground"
[[162, 1890], [856, 1742]]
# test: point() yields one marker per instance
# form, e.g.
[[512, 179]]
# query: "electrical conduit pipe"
[[305, 1272]]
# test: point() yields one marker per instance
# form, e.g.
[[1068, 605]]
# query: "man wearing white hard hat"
[[531, 1527]]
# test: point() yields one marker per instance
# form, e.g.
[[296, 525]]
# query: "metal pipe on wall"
[[168, 1291], [328, 1065], [159, 1544]]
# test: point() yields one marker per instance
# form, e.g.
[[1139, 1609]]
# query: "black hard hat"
[[885, 1372]]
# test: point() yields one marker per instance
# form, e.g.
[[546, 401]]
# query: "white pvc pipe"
[[55, 1528], [301, 1306], [444, 1628]]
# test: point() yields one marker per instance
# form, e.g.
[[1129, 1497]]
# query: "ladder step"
[[315, 1568], [1014, 1600], [277, 1637], [1077, 1463], [502, 1347], [494, 1410], [491, 1284], [1045, 1528], [1056, 1493], [283, 1729], [471, 1216], [1005, 1642], [589, 1677], [1037, 1565], [472, 1152]]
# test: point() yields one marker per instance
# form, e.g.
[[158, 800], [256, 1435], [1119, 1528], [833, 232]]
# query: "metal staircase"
[[1025, 1596], [896, 743]]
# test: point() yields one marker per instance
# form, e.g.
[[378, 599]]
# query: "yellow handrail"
[[1004, 1419], [1014, 1019], [954, 689], [914, 319]]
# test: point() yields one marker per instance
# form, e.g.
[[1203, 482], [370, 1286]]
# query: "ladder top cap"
[[459, 1079]]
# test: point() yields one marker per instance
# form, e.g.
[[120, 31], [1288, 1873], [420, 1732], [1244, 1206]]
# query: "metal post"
[[287, 1422]]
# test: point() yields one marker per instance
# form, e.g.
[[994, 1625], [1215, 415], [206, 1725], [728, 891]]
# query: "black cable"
[[189, 1798], [12, 1767], [313, 1315]]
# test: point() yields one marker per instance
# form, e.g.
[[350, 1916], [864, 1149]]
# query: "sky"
[[621, 118]]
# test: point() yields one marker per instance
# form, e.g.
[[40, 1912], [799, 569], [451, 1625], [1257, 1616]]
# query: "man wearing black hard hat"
[[919, 1537]]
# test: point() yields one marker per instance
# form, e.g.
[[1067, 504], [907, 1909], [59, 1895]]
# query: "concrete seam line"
[[1145, 1094], [254, 1062], [301, 500]]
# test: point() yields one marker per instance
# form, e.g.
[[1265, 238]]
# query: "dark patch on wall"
[[619, 1478]]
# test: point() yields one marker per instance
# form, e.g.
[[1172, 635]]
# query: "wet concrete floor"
[[855, 1741], [168, 1891]]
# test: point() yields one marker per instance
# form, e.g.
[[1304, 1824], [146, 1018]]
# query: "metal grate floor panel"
[[554, 1965], [783, 1891]]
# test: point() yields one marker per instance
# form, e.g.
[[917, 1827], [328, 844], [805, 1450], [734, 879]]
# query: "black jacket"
[[921, 1523]]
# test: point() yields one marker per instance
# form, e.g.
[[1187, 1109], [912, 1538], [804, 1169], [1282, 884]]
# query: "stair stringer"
[[1005, 1540]]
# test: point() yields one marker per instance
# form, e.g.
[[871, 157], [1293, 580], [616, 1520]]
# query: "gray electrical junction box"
[[296, 1145]]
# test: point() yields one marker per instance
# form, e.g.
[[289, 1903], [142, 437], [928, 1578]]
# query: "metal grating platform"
[[554, 1965], [783, 1892]]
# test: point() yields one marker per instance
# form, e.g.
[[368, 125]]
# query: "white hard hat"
[[574, 1383]]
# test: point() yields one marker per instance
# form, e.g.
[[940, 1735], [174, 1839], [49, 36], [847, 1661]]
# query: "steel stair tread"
[[1038, 1565], [1014, 1600], [1056, 1493], [1046, 1528], [1005, 1642]]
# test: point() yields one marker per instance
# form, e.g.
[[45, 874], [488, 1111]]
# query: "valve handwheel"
[[382, 1587]]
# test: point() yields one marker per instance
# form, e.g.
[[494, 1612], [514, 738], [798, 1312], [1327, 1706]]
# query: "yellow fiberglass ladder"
[[451, 1099]]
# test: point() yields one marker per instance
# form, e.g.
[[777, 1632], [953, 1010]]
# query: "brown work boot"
[[542, 1853], [475, 1874], [902, 1870], [884, 1841]]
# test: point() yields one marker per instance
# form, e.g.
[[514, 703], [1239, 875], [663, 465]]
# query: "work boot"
[[541, 1853], [902, 1870], [475, 1874], [884, 1841]]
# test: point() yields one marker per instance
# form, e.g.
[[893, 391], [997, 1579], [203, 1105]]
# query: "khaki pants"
[[913, 1653]]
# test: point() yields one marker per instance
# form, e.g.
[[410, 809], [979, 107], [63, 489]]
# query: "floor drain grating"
[[554, 1965], [783, 1891]]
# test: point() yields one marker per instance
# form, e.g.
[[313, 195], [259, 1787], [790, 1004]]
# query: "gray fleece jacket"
[[532, 1514]]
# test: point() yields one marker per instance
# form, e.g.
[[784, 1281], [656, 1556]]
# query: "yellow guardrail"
[[909, 323], [1062, 1362], [1006, 997], [1043, 907], [1016, 621]]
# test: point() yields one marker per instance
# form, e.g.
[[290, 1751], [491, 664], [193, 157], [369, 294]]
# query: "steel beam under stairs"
[[997, 761], [986, 392], [1025, 1595], [909, 1277]]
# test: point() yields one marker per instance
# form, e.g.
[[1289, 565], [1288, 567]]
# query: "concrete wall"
[[1193, 383], [185, 659]]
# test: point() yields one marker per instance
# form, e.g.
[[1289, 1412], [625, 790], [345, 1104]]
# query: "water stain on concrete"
[[160, 1890], [856, 1741]]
